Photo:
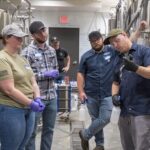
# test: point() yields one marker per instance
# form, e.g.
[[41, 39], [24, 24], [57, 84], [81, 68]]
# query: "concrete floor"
[[61, 140]]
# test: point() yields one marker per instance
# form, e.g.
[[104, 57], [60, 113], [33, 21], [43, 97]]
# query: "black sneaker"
[[99, 147], [84, 143]]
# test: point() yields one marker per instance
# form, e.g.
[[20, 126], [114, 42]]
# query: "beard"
[[40, 41], [97, 49]]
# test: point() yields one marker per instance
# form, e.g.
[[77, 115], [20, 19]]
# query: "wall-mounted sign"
[[63, 19]]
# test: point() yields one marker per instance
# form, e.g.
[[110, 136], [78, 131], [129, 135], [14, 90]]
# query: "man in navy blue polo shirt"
[[132, 83], [94, 80]]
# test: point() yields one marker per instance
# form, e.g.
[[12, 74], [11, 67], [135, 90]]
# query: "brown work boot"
[[84, 143], [99, 147]]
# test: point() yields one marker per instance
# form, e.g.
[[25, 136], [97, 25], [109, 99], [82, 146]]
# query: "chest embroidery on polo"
[[107, 56]]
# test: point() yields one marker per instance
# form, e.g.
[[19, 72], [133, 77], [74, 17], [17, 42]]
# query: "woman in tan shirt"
[[19, 92]]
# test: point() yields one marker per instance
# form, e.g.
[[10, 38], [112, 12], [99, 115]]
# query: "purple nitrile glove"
[[53, 73], [34, 106], [38, 100]]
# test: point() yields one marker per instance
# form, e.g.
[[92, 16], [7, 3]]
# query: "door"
[[69, 40]]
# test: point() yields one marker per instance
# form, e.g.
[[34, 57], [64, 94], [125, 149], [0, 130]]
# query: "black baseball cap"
[[95, 35], [36, 26], [54, 39]]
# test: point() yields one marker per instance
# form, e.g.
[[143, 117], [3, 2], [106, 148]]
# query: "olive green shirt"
[[17, 68]]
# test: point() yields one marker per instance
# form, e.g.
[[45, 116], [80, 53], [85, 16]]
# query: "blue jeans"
[[16, 127], [100, 113], [48, 120]]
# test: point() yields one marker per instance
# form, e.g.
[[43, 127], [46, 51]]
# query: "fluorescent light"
[[32, 8]]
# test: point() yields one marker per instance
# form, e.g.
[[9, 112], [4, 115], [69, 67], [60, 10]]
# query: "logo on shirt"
[[38, 56], [107, 56], [61, 54]]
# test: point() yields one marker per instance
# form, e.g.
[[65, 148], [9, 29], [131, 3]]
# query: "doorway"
[[69, 40]]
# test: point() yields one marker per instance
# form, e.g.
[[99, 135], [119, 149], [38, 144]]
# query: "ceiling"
[[75, 5], [62, 5]]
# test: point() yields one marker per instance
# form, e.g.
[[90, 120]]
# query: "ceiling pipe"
[[29, 10], [15, 9], [29, 20], [12, 4]]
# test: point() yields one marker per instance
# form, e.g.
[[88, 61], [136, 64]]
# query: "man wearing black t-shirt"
[[63, 58]]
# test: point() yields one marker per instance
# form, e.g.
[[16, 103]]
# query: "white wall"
[[85, 21]]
